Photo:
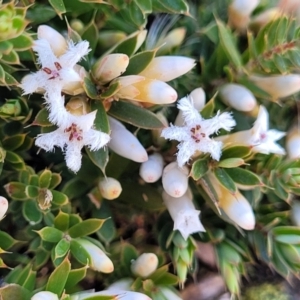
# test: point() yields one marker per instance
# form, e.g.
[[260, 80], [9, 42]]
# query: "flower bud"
[[183, 213], [110, 188], [278, 86], [88, 253], [109, 38], [293, 143], [76, 87], [77, 106], [44, 295], [124, 143], [237, 97], [151, 170], [166, 68], [198, 97], [77, 25], [109, 67], [3, 207], [173, 39], [175, 180], [144, 265], [157, 139], [56, 40]]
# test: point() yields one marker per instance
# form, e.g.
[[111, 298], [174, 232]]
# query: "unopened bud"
[[198, 98], [109, 67], [110, 188], [166, 68], [44, 295], [151, 170], [144, 265], [124, 143], [56, 40], [293, 143], [3, 207], [157, 139], [77, 25], [278, 86], [109, 38], [173, 39], [77, 106], [238, 97], [76, 87], [175, 180]]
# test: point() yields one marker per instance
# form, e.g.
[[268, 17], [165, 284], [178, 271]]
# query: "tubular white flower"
[[175, 179], [151, 170], [3, 207], [97, 259], [55, 72], [144, 265], [194, 135], [293, 143], [183, 212], [75, 134], [118, 294], [124, 143], [57, 42], [278, 86], [260, 138], [110, 188], [166, 68], [198, 98], [109, 67], [237, 97], [44, 295]]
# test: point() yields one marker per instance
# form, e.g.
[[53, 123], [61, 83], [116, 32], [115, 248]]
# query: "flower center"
[[75, 132], [262, 136], [197, 134], [54, 73]]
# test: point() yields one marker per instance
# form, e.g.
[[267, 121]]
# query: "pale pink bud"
[[57, 42], [151, 170], [238, 97], [3, 207], [293, 143], [110, 188], [97, 259], [144, 265], [198, 97], [166, 68], [44, 295], [173, 39], [124, 143], [278, 86], [175, 179], [109, 67]]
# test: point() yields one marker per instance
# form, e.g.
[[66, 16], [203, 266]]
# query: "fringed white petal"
[[190, 114]]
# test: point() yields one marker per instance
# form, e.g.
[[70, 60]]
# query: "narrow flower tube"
[[109, 67], [88, 253], [293, 143], [235, 206], [144, 265], [44, 295], [118, 295], [151, 170], [124, 143], [198, 98], [183, 212], [175, 179], [238, 97], [278, 86], [166, 68], [3, 207], [110, 188], [57, 42]]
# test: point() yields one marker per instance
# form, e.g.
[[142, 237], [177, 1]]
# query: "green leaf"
[[45, 178], [75, 276], [225, 180], [231, 163], [170, 6], [55, 181], [90, 88], [14, 291], [22, 42], [128, 253], [41, 119], [61, 221], [31, 212], [90, 34], [6, 241], [135, 115], [199, 168], [58, 278], [208, 109], [59, 198], [79, 252], [61, 249], [286, 234], [101, 120], [32, 191], [86, 227], [50, 234], [27, 278], [58, 6], [112, 89], [236, 151], [16, 190], [11, 58], [99, 157], [243, 177], [228, 43]]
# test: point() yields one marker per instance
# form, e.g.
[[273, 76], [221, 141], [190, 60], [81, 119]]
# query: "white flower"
[[55, 72], [183, 212], [194, 135], [76, 134], [44, 295], [259, 137]]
